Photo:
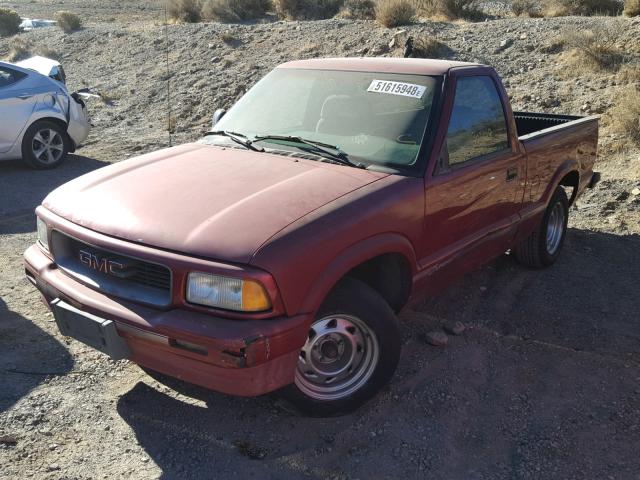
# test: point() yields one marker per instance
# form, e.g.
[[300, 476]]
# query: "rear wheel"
[[543, 246], [44, 145], [351, 352]]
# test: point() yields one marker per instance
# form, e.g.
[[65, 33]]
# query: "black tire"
[[533, 251], [53, 154], [353, 299]]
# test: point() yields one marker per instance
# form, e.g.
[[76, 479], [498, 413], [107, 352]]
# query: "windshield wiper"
[[239, 138], [332, 151]]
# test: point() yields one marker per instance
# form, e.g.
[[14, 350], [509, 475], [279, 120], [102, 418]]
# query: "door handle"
[[512, 174], [24, 96]]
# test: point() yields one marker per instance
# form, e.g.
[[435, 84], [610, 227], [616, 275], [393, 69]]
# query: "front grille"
[[111, 272]]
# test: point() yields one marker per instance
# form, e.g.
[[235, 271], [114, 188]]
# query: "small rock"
[[8, 440], [215, 60], [635, 191], [53, 467], [436, 338], [454, 328]]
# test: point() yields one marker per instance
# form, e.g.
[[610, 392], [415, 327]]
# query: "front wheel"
[[543, 246], [351, 352]]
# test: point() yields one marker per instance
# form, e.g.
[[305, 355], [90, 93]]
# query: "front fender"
[[350, 258]]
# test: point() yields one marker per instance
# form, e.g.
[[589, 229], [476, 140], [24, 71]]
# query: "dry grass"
[[393, 13], [189, 11], [449, 9], [68, 21], [227, 37], [19, 49], [560, 8], [630, 73], [307, 9], [9, 22], [632, 8], [359, 9], [235, 10], [625, 115], [595, 49]]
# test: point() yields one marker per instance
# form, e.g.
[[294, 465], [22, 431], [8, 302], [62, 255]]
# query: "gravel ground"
[[543, 383]]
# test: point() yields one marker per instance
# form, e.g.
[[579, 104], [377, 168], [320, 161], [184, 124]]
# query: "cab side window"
[[478, 126], [9, 77]]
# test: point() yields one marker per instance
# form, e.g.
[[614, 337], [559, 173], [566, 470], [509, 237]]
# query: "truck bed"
[[529, 123]]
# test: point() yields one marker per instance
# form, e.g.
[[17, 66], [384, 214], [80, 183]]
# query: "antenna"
[[166, 41]]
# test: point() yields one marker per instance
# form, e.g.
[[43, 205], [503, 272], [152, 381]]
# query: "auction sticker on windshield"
[[397, 88]]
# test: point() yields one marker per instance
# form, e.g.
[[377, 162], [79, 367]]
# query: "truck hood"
[[208, 201]]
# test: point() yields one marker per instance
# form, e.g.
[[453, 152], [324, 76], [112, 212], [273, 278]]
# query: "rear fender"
[[350, 258], [565, 168]]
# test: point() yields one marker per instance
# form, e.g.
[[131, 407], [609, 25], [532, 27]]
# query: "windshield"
[[374, 118]]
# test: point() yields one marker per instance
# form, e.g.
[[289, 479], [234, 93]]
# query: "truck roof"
[[416, 66]]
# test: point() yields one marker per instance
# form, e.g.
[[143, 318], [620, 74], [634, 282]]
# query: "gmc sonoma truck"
[[275, 253]]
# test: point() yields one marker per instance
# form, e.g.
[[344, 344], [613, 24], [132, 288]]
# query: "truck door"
[[474, 193], [16, 105]]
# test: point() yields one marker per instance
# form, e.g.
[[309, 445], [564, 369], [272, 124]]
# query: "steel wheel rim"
[[338, 358], [555, 228], [47, 146]]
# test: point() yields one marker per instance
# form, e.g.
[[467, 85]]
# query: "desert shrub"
[[308, 9], [189, 11], [393, 13], [359, 9], [451, 9], [9, 22], [557, 8], [235, 10], [525, 7], [427, 47], [19, 49], [68, 21], [630, 73], [625, 115], [595, 47], [632, 8]]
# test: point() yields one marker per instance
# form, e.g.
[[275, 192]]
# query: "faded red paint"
[[297, 227]]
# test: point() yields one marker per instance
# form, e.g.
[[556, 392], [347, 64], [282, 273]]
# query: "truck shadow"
[[29, 356], [588, 300], [23, 189], [516, 378]]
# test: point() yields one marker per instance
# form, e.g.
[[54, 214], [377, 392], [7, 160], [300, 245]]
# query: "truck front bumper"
[[237, 357]]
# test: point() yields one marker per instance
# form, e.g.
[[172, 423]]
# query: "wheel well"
[[64, 126], [571, 179], [389, 275]]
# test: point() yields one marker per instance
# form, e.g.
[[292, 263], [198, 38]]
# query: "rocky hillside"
[[213, 64]]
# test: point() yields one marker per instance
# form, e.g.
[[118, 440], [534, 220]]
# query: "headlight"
[[42, 233], [227, 293]]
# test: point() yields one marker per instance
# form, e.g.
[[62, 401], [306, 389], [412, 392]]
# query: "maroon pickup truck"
[[276, 252]]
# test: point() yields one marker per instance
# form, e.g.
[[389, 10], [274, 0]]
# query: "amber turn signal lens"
[[254, 297]]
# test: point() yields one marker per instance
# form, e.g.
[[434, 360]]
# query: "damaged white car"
[[41, 121]]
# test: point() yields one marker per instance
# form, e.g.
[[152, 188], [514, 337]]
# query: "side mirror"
[[217, 116]]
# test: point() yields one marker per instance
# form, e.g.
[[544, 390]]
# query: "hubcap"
[[339, 356], [555, 228], [47, 146]]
